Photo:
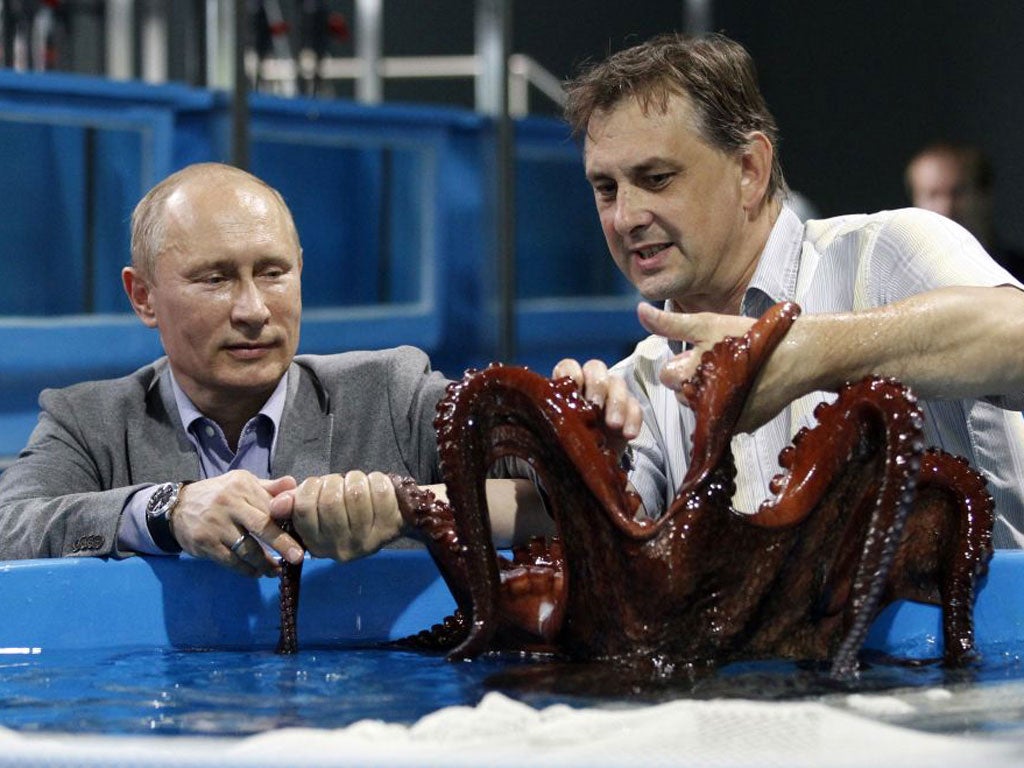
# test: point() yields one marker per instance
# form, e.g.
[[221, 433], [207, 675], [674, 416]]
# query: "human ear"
[[139, 295], [755, 170]]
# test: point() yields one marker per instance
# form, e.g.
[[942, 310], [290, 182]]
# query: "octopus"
[[861, 514]]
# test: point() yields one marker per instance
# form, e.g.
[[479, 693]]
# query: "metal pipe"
[[89, 215], [154, 42], [119, 22], [221, 43], [369, 87], [351, 68], [240, 90], [697, 16], [493, 43], [523, 72]]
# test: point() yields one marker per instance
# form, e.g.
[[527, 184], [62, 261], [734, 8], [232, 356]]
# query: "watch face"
[[159, 499]]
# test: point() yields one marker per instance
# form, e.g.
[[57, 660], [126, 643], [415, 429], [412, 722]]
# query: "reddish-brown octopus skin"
[[290, 582], [861, 516]]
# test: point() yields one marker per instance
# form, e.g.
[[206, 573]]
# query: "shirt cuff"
[[133, 534]]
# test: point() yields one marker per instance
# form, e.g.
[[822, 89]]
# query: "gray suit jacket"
[[98, 442]]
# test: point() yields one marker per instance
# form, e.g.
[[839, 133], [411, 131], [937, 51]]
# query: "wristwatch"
[[158, 516]]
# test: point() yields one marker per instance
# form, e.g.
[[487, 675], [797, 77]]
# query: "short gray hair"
[[149, 222]]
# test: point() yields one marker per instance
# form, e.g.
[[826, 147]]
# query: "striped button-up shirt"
[[841, 264]]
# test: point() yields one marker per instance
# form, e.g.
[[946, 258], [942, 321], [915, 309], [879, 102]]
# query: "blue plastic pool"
[[175, 647], [185, 603]]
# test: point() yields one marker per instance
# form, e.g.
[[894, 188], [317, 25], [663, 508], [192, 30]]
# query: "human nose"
[[631, 210], [249, 306]]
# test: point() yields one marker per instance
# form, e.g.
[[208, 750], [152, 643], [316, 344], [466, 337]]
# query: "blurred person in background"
[[956, 181]]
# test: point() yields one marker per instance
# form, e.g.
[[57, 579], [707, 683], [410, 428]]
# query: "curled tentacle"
[[719, 388], [432, 521], [873, 418], [501, 412], [291, 581], [531, 599]]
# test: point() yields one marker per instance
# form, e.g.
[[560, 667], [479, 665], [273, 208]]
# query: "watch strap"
[[158, 520]]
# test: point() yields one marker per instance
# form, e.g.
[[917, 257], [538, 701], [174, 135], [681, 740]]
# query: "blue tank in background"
[[395, 206]]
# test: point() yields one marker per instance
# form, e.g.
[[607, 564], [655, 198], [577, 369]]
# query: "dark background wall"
[[858, 87]]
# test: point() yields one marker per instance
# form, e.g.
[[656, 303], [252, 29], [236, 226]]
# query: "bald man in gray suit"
[[200, 450]]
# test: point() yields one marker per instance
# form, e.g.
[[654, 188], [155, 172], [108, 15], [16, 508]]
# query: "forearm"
[[72, 525], [947, 343], [54, 503]]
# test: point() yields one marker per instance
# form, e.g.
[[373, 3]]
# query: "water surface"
[[229, 693]]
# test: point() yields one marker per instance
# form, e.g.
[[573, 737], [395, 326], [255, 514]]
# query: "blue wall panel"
[[394, 205], [43, 218]]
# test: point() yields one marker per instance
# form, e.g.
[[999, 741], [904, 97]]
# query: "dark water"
[[221, 693]]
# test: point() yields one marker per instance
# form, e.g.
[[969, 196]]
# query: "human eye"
[[658, 180], [273, 270], [211, 278], [604, 190]]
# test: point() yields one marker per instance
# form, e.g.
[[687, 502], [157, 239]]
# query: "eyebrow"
[[230, 265], [638, 169]]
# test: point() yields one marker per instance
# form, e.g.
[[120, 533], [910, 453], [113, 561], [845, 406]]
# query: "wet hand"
[[701, 330], [622, 414], [226, 518], [780, 381], [342, 516]]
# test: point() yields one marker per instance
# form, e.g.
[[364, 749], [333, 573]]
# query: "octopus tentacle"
[[719, 388], [432, 521], [818, 455], [504, 411], [947, 546], [463, 450], [290, 582], [876, 416], [531, 595]]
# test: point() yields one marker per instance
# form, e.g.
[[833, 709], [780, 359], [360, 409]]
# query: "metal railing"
[[130, 39], [286, 76]]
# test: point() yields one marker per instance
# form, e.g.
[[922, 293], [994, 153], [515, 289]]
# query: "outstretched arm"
[[946, 343], [351, 515]]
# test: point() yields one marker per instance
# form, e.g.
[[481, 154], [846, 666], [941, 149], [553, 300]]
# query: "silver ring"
[[238, 543]]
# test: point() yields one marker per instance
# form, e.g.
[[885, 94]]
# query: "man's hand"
[[775, 386], [212, 514], [701, 330], [342, 516], [622, 414]]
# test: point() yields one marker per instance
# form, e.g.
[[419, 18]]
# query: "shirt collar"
[[774, 279], [273, 409]]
